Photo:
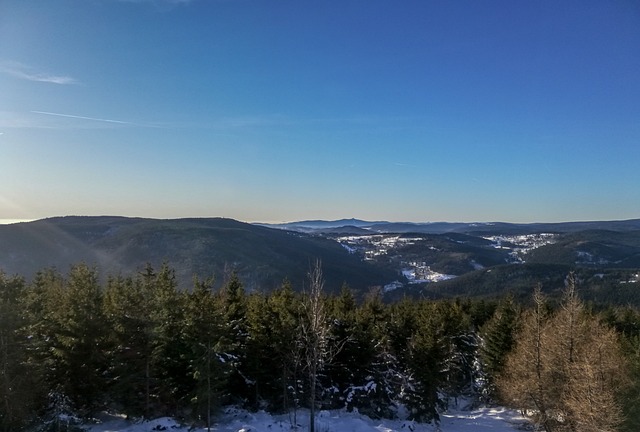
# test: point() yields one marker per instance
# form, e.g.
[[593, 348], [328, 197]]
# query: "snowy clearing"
[[234, 420]]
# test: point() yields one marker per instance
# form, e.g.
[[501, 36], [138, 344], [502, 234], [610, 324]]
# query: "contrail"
[[82, 117]]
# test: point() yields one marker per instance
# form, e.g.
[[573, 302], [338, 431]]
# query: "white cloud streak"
[[83, 117], [25, 72]]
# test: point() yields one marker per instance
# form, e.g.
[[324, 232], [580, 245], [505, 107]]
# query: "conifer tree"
[[40, 304], [566, 367], [426, 363], [461, 350], [127, 307], [17, 392], [203, 332], [498, 336], [285, 349], [525, 382], [234, 304], [258, 363], [349, 366], [377, 396], [169, 351], [65, 330], [80, 324]]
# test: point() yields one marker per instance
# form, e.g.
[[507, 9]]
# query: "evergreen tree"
[[377, 395], [234, 303], [348, 369], [203, 332], [498, 336], [426, 364], [461, 350], [17, 395], [284, 347], [65, 329], [83, 332], [41, 302], [127, 307], [257, 363], [169, 356], [272, 354]]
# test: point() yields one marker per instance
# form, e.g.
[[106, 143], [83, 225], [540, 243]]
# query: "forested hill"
[[211, 247]]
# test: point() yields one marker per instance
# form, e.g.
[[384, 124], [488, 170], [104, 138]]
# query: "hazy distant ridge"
[[460, 227]]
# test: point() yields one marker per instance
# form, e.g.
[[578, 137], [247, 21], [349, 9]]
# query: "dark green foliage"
[[59, 416], [169, 357], [441, 355], [272, 354], [452, 253], [258, 363], [426, 357], [82, 330], [70, 346], [499, 281], [204, 337], [66, 325], [461, 349], [376, 396], [127, 308], [593, 248], [234, 318], [498, 340], [348, 366], [16, 380], [284, 350], [66, 332]]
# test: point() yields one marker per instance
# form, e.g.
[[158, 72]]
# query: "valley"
[[401, 259]]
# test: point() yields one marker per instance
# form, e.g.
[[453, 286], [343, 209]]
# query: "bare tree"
[[318, 352], [525, 381], [566, 369], [591, 364], [596, 374]]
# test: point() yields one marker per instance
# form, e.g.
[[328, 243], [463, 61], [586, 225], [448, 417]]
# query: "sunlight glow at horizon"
[[282, 111]]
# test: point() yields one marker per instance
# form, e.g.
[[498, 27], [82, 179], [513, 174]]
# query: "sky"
[[287, 110]]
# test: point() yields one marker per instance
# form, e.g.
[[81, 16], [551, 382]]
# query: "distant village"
[[372, 247]]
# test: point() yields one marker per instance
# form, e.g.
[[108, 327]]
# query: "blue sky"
[[287, 110]]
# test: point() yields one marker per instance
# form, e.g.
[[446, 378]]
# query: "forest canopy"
[[72, 346]]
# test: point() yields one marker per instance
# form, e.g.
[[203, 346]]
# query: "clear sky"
[[282, 110]]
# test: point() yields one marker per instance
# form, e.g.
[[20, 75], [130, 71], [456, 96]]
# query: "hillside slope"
[[263, 257]]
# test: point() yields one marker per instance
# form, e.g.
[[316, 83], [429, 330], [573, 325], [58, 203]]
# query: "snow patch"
[[484, 419]]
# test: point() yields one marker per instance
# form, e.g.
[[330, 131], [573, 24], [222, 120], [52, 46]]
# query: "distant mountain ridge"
[[321, 226]]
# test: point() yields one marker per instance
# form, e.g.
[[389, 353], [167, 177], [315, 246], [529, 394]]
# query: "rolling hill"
[[479, 260], [262, 257]]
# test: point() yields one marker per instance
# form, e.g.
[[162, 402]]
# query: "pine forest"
[[75, 344]]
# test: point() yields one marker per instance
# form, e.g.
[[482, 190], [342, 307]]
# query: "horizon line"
[[9, 221]]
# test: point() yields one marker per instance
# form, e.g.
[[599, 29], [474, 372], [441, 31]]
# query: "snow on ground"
[[234, 420]]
